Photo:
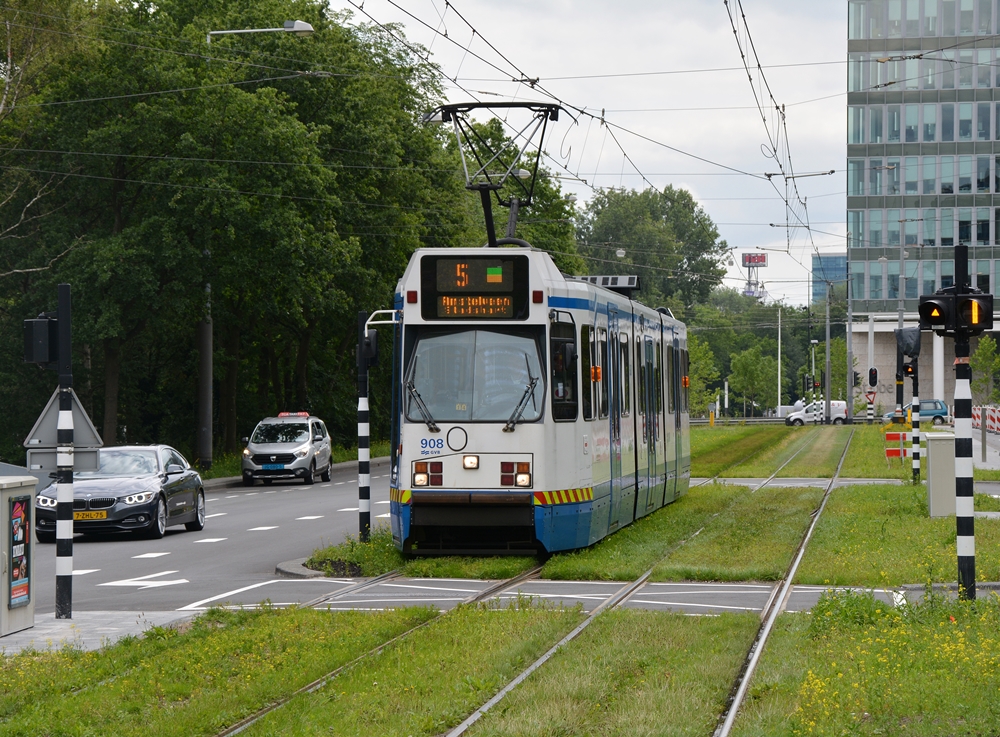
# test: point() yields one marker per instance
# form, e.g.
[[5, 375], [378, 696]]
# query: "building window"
[[983, 121], [965, 121], [911, 282], [894, 121], [855, 124], [965, 26], [948, 26], [892, 226], [948, 68], [983, 174], [947, 220], [892, 280], [947, 175], [930, 228], [855, 65], [874, 280], [947, 274], [930, 73], [875, 124], [858, 279], [930, 122], [892, 174], [912, 123], [930, 18], [875, 237], [855, 227], [911, 175], [930, 175], [895, 18], [876, 19], [985, 16], [964, 174], [982, 226], [966, 66], [911, 223], [911, 73], [930, 277], [984, 71], [875, 178], [983, 275], [855, 177], [948, 122], [996, 176], [912, 18], [965, 225], [856, 20]]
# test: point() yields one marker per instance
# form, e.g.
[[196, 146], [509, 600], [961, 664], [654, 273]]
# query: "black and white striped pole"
[[64, 462], [364, 440], [908, 346], [916, 425], [964, 488]]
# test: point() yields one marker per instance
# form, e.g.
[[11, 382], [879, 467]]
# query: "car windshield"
[[281, 432], [125, 463], [475, 375]]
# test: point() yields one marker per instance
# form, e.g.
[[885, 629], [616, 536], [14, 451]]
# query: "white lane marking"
[[326, 484], [380, 516], [144, 582], [85, 571], [233, 496], [212, 540], [251, 493], [381, 502], [428, 588], [704, 606], [339, 483], [271, 492], [312, 516], [348, 509], [217, 514], [200, 604], [259, 529], [150, 555]]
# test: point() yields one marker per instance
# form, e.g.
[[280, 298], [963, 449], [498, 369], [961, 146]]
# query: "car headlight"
[[45, 501], [302, 453], [247, 453], [141, 498]]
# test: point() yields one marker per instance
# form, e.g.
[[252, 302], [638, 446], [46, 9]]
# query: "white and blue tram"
[[533, 412]]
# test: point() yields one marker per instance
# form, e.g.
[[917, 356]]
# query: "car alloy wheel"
[[158, 525], [199, 522], [310, 477], [938, 420]]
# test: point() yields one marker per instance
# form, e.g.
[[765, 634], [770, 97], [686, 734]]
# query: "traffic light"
[[857, 379], [975, 313], [908, 370], [873, 377], [937, 312]]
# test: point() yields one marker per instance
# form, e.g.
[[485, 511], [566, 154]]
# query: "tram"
[[533, 412]]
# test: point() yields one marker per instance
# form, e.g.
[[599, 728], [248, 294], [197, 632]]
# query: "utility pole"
[[827, 383]]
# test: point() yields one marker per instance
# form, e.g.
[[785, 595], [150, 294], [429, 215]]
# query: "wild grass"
[[225, 666], [856, 666], [428, 682], [881, 535], [630, 673], [726, 446], [819, 459], [866, 457], [632, 551], [752, 540], [987, 503], [772, 455]]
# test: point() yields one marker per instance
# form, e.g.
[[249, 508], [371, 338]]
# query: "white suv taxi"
[[293, 445]]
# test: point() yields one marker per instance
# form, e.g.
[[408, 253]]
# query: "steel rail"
[[319, 683], [776, 604]]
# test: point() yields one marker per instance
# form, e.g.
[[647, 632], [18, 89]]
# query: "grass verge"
[[769, 459], [430, 681], [716, 449], [630, 673], [225, 666], [866, 457], [820, 458], [630, 552], [752, 540], [855, 666], [880, 535]]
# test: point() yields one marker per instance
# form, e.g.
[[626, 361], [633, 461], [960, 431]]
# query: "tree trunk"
[[112, 371]]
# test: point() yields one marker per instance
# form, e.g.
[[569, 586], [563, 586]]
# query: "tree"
[[750, 374], [985, 363], [703, 374], [666, 236]]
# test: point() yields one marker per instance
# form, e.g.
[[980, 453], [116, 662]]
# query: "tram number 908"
[[431, 446]]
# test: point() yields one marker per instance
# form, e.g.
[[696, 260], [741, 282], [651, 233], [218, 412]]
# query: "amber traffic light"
[[975, 313]]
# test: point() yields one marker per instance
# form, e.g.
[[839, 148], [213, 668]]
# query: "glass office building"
[[830, 268], [923, 147]]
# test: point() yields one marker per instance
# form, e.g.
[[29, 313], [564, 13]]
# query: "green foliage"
[[703, 374], [751, 372], [985, 364]]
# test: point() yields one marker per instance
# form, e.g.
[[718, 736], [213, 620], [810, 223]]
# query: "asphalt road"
[[248, 531]]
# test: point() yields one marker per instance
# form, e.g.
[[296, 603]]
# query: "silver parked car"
[[293, 445]]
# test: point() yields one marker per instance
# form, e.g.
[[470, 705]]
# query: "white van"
[[816, 411]]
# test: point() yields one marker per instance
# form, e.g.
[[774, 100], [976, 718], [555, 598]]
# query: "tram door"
[[612, 363], [650, 421], [673, 419]]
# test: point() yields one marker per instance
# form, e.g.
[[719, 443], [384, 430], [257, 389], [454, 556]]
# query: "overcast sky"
[[646, 50]]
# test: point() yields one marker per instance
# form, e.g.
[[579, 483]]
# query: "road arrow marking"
[[144, 582]]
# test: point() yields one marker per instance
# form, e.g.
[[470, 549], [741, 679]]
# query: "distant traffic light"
[[908, 370], [857, 379], [873, 377]]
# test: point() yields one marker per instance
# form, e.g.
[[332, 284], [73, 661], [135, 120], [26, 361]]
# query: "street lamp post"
[[204, 331]]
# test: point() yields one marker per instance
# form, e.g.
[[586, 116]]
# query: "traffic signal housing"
[[974, 313], [950, 313], [857, 379], [873, 377], [937, 312], [908, 370]]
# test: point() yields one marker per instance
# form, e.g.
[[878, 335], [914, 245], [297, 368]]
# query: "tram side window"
[[640, 376], [685, 365], [671, 379], [626, 379], [657, 378], [563, 362], [602, 340], [587, 369]]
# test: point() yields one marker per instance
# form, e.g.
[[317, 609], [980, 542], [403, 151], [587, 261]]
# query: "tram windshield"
[[475, 376]]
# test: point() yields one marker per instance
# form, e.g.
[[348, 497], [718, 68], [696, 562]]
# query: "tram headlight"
[[522, 479], [470, 462], [420, 477]]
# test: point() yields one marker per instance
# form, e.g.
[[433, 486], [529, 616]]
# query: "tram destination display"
[[474, 287]]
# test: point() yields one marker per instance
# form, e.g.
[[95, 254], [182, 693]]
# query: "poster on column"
[[20, 552]]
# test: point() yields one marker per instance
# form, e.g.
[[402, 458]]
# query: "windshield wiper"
[[421, 407], [529, 392]]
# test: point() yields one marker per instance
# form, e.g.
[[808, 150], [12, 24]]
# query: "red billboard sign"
[[754, 259]]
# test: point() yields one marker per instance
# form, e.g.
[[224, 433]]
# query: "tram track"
[[487, 593], [750, 457]]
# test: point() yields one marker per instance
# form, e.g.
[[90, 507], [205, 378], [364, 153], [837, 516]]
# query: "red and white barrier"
[[977, 417]]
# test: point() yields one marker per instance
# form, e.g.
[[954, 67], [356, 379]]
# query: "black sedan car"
[[139, 488]]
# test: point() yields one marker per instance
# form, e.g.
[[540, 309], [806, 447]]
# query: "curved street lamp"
[[298, 27]]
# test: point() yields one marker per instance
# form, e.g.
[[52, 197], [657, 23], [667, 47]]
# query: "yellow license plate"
[[90, 515]]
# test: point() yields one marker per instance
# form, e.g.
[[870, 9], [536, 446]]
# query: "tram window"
[[657, 378], [626, 409], [587, 359], [671, 379], [563, 362], [685, 361], [640, 365], [602, 340]]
